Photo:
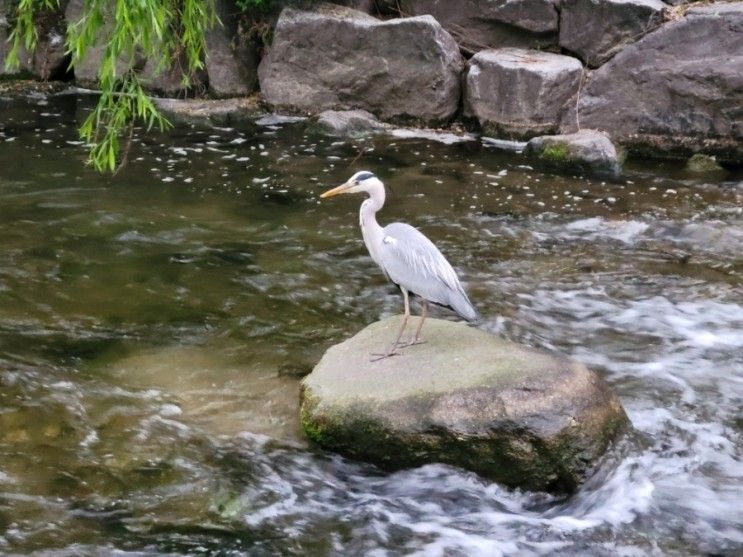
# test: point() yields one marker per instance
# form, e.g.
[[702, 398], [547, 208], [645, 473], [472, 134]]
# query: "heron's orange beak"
[[336, 191]]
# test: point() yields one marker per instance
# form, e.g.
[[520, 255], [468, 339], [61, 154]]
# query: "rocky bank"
[[660, 79]]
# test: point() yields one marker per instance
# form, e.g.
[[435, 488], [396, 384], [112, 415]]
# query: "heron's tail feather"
[[460, 303]]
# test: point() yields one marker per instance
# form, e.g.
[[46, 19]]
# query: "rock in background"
[[4, 31], [86, 70], [477, 25], [335, 57], [167, 81], [348, 123], [595, 30], [587, 151], [677, 90], [667, 91], [49, 60], [210, 112], [231, 58], [520, 93]]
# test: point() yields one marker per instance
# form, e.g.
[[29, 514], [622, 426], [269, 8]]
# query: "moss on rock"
[[704, 164], [555, 152]]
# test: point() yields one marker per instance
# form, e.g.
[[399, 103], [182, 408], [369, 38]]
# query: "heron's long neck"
[[370, 229]]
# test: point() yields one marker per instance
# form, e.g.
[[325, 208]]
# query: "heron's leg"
[[404, 318], [424, 314], [416, 339], [391, 350]]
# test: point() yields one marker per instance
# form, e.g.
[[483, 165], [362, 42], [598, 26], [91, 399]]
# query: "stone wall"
[[660, 79]]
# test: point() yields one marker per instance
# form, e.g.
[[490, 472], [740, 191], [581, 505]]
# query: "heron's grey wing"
[[414, 262]]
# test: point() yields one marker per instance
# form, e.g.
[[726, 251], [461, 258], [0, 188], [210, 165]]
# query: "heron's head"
[[363, 181]]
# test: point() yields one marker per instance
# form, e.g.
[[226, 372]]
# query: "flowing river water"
[[154, 328]]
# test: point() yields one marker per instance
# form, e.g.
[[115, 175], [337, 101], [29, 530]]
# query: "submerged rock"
[[520, 93], [705, 165], [277, 120], [348, 123], [517, 415], [439, 136], [586, 151], [404, 69], [702, 163], [595, 30], [677, 90], [209, 112]]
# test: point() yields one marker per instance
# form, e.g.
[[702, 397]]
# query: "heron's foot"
[[376, 356], [413, 342]]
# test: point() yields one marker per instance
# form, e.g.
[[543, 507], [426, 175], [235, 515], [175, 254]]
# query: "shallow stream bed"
[[154, 327]]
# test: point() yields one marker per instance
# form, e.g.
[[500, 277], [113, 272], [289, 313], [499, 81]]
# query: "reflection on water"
[[154, 327]]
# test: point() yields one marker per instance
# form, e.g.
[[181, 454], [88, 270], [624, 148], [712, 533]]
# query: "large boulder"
[[517, 415], [595, 30], [520, 93], [402, 69], [497, 23], [677, 90], [587, 151]]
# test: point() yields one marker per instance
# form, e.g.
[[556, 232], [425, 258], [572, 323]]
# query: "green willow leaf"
[[133, 31]]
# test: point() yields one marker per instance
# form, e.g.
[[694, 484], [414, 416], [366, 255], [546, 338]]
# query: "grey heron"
[[407, 257]]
